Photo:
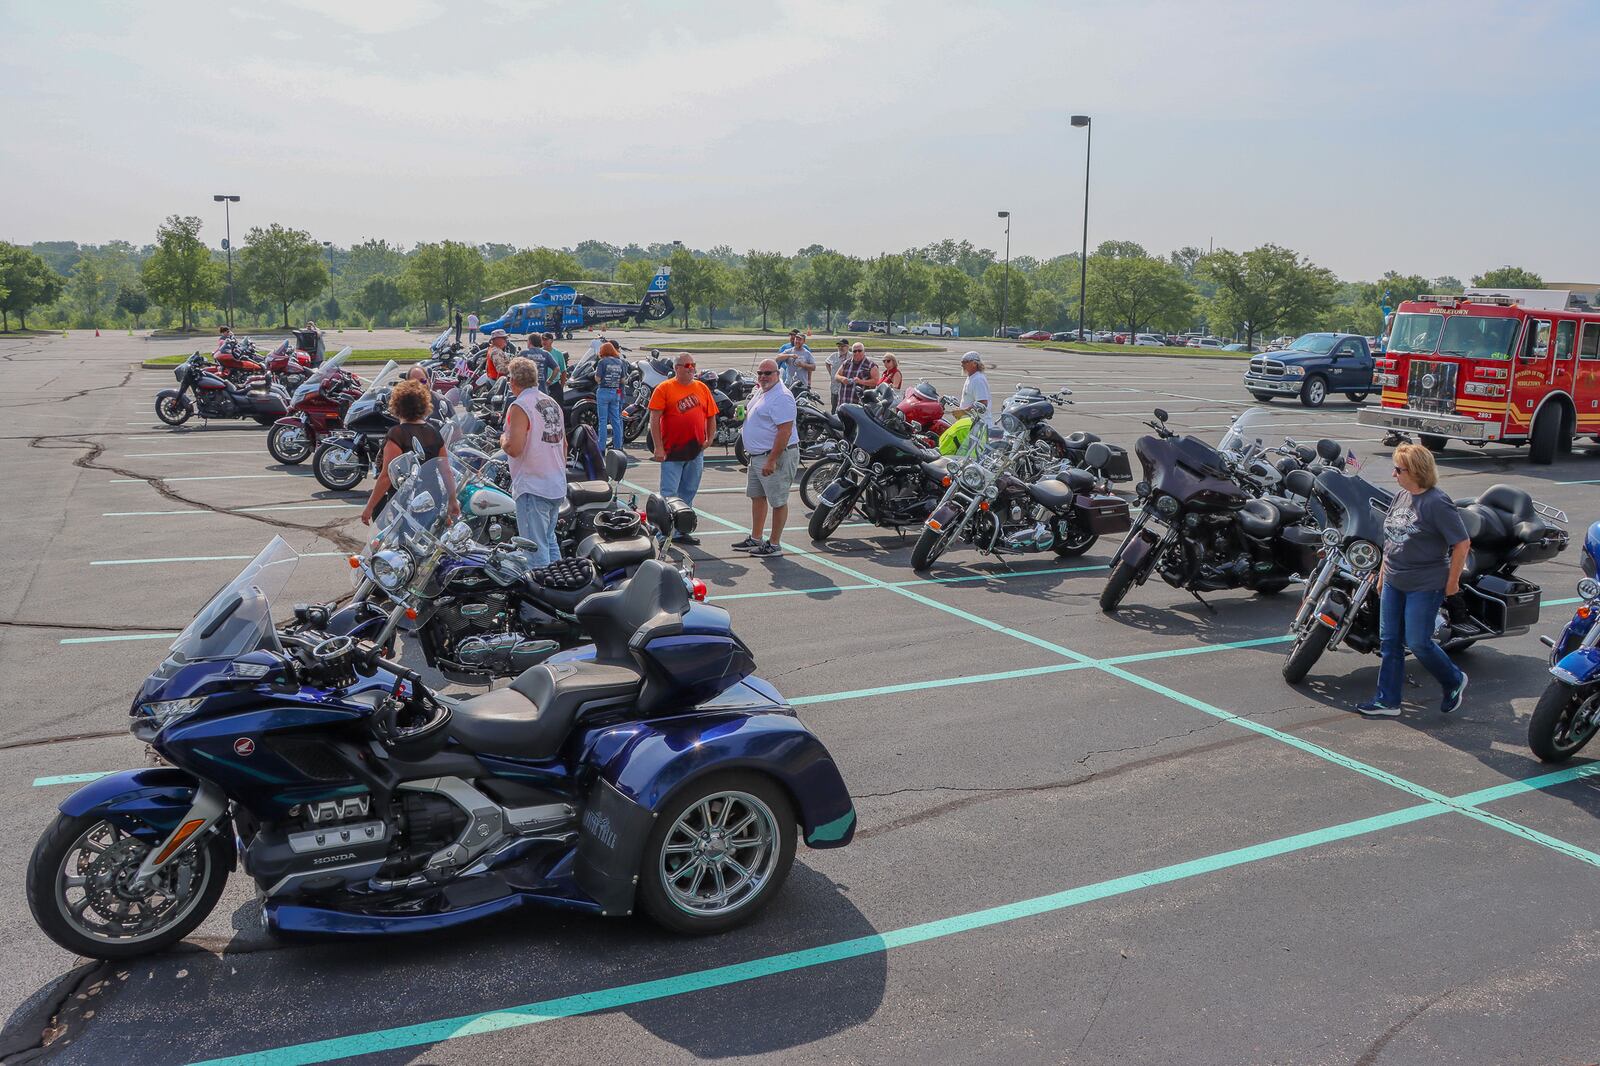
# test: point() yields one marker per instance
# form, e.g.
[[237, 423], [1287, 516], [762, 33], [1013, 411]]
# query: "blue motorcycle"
[[1568, 713], [648, 771]]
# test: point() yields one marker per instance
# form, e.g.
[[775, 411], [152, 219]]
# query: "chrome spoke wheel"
[[95, 889], [719, 854]]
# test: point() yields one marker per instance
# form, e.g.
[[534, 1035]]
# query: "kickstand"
[[1202, 602]]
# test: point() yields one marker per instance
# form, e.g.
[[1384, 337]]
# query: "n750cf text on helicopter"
[[559, 308]]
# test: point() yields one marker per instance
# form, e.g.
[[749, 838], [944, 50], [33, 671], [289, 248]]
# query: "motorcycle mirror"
[[400, 468], [1161, 415], [422, 502]]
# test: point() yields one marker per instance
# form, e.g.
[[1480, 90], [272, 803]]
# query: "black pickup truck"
[[1312, 367]]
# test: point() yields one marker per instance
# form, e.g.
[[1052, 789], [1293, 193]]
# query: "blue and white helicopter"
[[559, 308]]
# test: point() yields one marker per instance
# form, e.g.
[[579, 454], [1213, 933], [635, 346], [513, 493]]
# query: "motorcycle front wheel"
[[1554, 733], [337, 467], [632, 427], [289, 445], [80, 889], [931, 543], [1306, 650], [828, 516], [740, 455], [172, 408], [1117, 586], [818, 476]]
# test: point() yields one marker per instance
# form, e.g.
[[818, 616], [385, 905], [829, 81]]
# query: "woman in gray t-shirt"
[[1425, 547]]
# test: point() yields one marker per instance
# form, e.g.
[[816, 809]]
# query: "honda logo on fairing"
[[599, 827], [244, 747], [324, 860]]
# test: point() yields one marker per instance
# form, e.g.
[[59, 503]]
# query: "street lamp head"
[[1005, 214], [1080, 120], [327, 244], [230, 199]]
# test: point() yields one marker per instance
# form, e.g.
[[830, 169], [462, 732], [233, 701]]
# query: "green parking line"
[[518, 1017], [71, 779]]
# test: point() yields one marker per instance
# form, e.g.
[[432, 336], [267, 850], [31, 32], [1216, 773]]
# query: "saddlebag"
[[1116, 468], [1300, 547], [1104, 514], [1506, 605], [670, 514]]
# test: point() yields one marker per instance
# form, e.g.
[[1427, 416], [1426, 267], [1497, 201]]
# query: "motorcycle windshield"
[[238, 618], [441, 342], [386, 377], [417, 512], [1247, 437], [310, 385], [1349, 499]]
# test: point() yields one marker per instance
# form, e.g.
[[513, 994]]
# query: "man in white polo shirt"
[[773, 443]]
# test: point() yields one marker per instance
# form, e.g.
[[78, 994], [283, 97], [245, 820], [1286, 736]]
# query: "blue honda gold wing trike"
[[648, 771], [1568, 714]]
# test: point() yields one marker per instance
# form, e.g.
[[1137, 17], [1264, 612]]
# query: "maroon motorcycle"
[[316, 409]]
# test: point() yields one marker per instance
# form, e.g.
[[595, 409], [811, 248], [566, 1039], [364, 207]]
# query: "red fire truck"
[[1490, 368]]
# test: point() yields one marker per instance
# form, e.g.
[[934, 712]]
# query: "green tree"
[[91, 289], [691, 278], [448, 273], [597, 257], [180, 274], [331, 310], [27, 282], [994, 296], [891, 284], [827, 283], [1186, 259], [971, 260], [1121, 250], [949, 291], [133, 300], [379, 298], [636, 274], [282, 265], [766, 281], [1265, 289], [1139, 291], [1446, 285], [720, 285], [371, 259], [1508, 277]]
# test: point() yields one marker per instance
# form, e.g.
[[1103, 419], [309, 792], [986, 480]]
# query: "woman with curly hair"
[[411, 402]]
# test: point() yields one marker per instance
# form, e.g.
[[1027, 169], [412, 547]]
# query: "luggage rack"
[[1548, 513]]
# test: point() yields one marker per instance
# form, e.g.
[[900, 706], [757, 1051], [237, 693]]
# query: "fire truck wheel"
[[1314, 391], [1432, 443], [1545, 438]]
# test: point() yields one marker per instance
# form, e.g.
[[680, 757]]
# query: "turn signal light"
[[1585, 611], [411, 614], [179, 837], [697, 589], [1327, 620], [355, 563], [933, 524], [983, 505], [946, 481]]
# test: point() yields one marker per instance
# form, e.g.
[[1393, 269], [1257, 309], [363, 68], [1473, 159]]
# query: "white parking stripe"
[[204, 559], [153, 455], [202, 477]]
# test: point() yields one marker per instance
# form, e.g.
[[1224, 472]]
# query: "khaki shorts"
[[776, 486]]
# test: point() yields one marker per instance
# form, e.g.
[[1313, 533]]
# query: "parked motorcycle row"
[[636, 761]]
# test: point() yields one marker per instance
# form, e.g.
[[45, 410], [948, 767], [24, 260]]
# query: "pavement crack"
[[97, 627], [35, 1035], [1370, 1056], [80, 393], [90, 460]]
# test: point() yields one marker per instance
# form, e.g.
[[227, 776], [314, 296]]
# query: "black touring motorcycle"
[[203, 390], [1507, 527], [1201, 529]]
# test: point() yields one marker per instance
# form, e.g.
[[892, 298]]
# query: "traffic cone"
[[97, 333]]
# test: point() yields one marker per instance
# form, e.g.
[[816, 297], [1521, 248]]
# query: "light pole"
[[329, 246], [1083, 256], [227, 246], [1005, 292]]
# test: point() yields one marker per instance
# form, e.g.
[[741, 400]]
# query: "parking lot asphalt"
[[1082, 838]]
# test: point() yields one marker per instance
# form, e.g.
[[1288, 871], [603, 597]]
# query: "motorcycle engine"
[[463, 618], [425, 823]]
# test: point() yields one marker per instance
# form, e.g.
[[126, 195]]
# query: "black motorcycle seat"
[[929, 455], [649, 605], [532, 717], [1260, 519], [585, 492], [1052, 493], [609, 555], [1077, 480], [1078, 440], [936, 470], [1289, 512], [1500, 518]]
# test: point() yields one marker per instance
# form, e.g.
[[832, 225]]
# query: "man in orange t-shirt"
[[683, 417]]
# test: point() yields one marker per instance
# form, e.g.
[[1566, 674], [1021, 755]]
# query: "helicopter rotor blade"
[[509, 292], [616, 284]]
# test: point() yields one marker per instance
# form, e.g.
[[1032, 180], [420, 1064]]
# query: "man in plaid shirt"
[[855, 374]]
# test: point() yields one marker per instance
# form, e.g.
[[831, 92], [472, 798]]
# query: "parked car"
[[1149, 340], [1206, 342], [934, 329], [1177, 340], [1034, 335], [857, 325], [891, 328], [1010, 331], [1311, 367], [1066, 335], [1240, 348], [1103, 336]]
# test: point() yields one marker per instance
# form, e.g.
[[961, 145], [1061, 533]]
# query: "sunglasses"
[[688, 366], [765, 373], [1399, 470]]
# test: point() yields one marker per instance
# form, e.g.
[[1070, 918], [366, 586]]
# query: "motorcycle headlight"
[[1011, 423], [1589, 588], [171, 710], [970, 478], [1294, 371], [1331, 537], [1167, 505], [391, 569], [859, 456], [1363, 555]]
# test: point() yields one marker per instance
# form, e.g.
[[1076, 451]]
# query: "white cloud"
[[373, 16]]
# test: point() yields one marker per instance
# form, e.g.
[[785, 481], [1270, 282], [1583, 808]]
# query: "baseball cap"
[[497, 333]]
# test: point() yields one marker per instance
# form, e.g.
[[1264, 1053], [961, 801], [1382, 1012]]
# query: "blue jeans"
[[536, 520], [1406, 620], [608, 410], [682, 479]]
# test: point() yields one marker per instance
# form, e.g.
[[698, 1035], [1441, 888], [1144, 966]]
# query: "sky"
[[1428, 138]]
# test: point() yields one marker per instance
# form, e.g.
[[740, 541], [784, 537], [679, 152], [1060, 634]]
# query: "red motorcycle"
[[924, 408], [289, 365], [237, 361], [316, 409]]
